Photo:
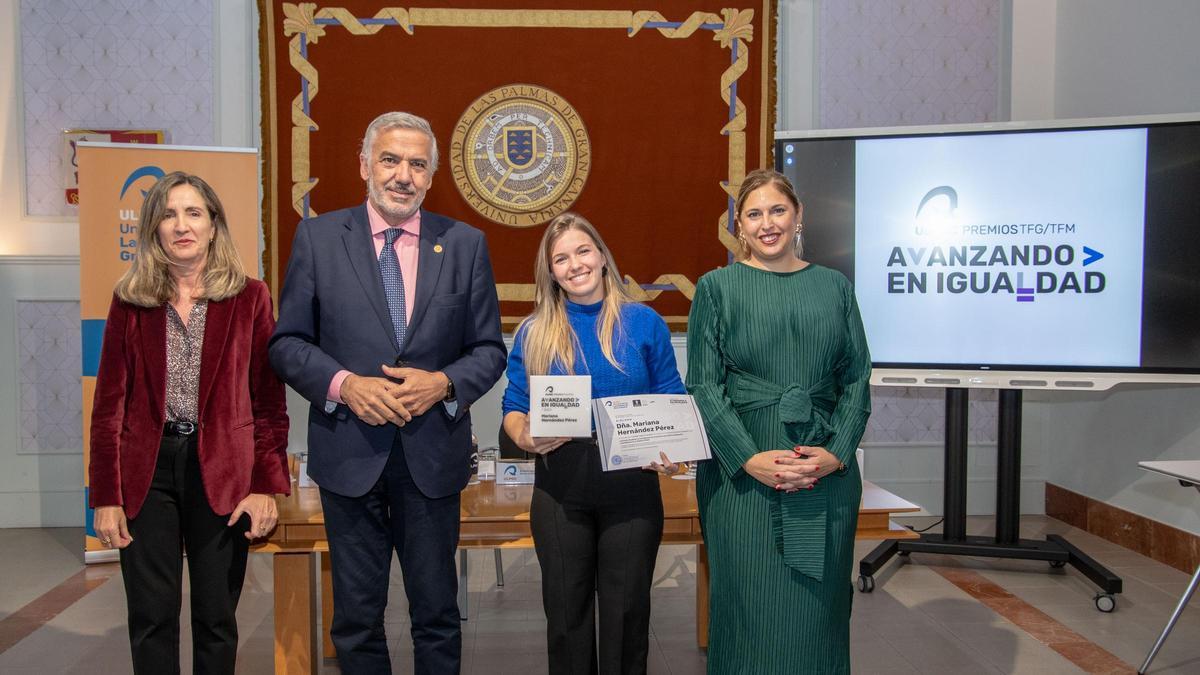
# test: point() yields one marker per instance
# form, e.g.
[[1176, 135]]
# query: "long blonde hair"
[[148, 281], [549, 338]]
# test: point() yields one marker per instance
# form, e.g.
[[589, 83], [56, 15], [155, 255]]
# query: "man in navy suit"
[[389, 324]]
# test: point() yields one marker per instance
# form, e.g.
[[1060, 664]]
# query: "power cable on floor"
[[926, 529]]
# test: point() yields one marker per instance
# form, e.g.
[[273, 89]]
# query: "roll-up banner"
[[113, 180]]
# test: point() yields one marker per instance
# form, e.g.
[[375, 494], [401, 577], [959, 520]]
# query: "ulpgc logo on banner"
[[520, 155], [135, 187], [1020, 269], [154, 173]]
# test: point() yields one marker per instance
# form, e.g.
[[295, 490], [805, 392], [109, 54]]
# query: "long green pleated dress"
[[777, 360]]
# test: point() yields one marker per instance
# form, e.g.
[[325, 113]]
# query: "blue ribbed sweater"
[[643, 349]]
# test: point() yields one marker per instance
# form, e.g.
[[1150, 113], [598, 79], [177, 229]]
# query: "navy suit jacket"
[[333, 315]]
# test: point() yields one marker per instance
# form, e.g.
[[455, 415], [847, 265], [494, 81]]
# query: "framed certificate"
[[633, 430]]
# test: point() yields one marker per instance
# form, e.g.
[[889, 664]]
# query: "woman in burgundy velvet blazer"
[[189, 427], [243, 423]]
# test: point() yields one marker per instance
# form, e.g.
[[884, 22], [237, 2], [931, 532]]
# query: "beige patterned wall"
[[50, 360], [128, 64], [917, 415], [895, 62]]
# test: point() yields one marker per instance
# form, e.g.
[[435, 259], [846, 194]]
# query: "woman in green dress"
[[778, 364]]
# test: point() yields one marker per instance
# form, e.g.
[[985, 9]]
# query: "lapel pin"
[[437, 248]]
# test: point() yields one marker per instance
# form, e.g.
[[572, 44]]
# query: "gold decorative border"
[[305, 24]]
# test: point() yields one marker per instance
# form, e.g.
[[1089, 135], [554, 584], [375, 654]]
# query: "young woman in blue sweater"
[[596, 533]]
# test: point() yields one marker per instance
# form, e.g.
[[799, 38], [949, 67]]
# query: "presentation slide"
[[1032, 256]]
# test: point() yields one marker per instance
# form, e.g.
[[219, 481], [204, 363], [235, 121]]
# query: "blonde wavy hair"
[[148, 281], [762, 178], [549, 338]]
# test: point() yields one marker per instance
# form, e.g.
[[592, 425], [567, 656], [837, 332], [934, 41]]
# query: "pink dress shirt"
[[407, 248]]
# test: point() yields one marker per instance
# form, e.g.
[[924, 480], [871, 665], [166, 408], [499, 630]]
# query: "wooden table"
[[493, 516]]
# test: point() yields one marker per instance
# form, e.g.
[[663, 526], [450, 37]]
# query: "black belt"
[[180, 428]]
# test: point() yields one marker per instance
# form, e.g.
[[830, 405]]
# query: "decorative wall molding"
[[34, 490], [981, 494], [40, 484], [977, 480], [39, 260]]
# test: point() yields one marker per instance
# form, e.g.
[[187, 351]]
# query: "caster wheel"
[[1106, 602], [904, 554], [866, 583], [1058, 564]]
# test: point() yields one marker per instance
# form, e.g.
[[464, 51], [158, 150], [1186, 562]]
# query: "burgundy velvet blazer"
[[243, 425]]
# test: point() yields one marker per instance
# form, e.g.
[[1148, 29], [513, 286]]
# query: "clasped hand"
[[517, 426], [790, 470], [403, 394]]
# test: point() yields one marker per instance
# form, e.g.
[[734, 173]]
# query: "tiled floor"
[[916, 621]]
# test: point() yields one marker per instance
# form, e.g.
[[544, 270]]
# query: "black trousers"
[[176, 517], [596, 534], [363, 531]]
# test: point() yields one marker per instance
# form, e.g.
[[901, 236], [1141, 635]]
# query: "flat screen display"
[[1064, 249]]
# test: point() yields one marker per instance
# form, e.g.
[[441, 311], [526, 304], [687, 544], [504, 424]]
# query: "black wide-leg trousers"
[[176, 517], [596, 534]]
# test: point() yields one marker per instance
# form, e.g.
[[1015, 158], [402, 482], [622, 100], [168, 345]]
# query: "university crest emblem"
[[520, 155], [519, 141]]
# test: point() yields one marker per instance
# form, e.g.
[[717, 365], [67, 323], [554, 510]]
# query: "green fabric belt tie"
[[797, 519]]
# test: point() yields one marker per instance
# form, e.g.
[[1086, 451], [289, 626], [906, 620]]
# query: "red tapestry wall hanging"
[[644, 117]]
